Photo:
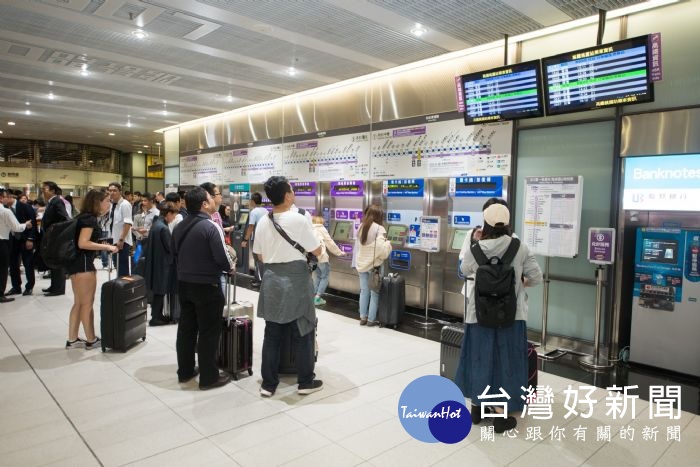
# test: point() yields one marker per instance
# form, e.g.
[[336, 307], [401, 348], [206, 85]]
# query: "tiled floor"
[[78, 407]]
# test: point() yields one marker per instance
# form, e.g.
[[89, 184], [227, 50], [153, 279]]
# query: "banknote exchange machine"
[[342, 204], [466, 197], [239, 200]]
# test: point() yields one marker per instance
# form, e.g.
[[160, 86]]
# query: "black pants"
[[201, 308], [4, 264], [304, 357], [58, 281], [157, 307], [19, 252]]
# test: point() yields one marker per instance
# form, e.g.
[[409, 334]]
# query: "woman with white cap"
[[497, 357]]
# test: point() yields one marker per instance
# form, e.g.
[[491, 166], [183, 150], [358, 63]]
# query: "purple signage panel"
[[341, 214], [656, 72], [460, 95], [347, 249], [239, 152], [354, 215], [304, 188], [415, 131], [348, 188], [601, 245], [307, 145]]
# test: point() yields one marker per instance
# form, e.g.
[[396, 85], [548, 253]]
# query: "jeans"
[[369, 299], [201, 308], [122, 259], [304, 356], [104, 256], [323, 271]]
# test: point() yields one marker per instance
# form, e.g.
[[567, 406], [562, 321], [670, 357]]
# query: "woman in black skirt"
[[495, 358], [82, 269]]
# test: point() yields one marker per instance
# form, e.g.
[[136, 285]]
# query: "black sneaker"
[[501, 425], [478, 412], [75, 344], [94, 344], [314, 386]]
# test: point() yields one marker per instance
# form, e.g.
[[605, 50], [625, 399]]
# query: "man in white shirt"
[[121, 223], [256, 213], [287, 293], [8, 224]]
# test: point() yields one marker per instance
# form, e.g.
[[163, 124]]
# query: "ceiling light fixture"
[[84, 70], [229, 98], [51, 96], [128, 121], [418, 30], [145, 145], [110, 134], [157, 144], [26, 103], [139, 152], [139, 34], [27, 112], [0, 132], [291, 71]]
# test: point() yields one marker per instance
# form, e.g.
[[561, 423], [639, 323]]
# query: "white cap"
[[497, 214]]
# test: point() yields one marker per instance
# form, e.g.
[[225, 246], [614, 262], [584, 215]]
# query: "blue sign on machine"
[[400, 259], [412, 187], [239, 187], [463, 220], [484, 187], [393, 216]]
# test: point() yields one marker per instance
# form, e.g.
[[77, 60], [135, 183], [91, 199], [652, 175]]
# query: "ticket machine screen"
[[658, 250], [342, 231], [458, 239], [243, 218], [397, 234]]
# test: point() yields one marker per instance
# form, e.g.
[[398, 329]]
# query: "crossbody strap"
[[284, 235]]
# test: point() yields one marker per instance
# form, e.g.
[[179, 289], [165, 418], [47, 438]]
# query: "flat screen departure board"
[[598, 77], [504, 93]]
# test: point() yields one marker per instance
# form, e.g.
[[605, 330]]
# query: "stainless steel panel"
[[426, 90], [338, 108], [201, 136], [674, 132], [255, 125], [437, 206]]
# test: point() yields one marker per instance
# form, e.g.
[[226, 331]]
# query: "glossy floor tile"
[[80, 407]]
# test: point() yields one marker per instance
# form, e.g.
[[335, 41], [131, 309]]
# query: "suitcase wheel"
[[143, 339], [235, 376], [250, 372]]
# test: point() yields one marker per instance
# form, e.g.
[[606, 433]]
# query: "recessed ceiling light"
[[27, 112], [139, 152], [51, 96], [26, 103], [110, 134], [84, 70], [11, 123], [157, 144], [418, 30], [291, 71], [139, 34], [0, 132], [229, 98], [145, 145]]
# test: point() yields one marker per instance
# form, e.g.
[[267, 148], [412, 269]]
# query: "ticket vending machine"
[[666, 301], [404, 202], [306, 196], [342, 204], [466, 197]]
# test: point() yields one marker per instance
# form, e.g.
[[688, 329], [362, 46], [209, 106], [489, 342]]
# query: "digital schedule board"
[[504, 93], [598, 77]]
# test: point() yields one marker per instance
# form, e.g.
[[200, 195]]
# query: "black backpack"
[[58, 246], [494, 287]]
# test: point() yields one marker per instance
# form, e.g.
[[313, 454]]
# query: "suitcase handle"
[[229, 302]]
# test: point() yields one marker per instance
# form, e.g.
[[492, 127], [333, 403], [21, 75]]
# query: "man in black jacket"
[[200, 251], [22, 247], [55, 212]]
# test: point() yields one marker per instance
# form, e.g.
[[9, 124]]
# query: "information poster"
[[430, 233], [200, 168], [552, 215], [341, 157], [441, 149], [254, 164]]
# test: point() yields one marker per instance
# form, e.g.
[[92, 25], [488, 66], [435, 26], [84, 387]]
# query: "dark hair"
[[172, 197], [92, 201], [210, 187], [126, 193], [194, 199], [222, 210], [69, 198], [116, 185], [373, 214], [276, 187], [148, 196], [52, 187], [167, 208], [136, 193], [256, 198], [2, 191]]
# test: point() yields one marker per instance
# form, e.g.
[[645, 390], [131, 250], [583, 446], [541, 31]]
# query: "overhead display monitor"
[[505, 93], [598, 77]]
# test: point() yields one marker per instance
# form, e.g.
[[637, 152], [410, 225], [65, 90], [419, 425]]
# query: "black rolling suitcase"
[[392, 301], [288, 364], [236, 343], [123, 312], [450, 348]]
